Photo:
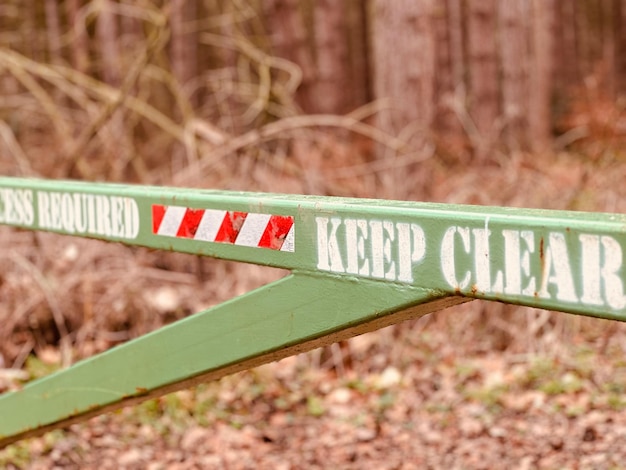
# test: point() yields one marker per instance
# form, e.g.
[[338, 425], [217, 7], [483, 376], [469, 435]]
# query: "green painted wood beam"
[[559, 260], [293, 315], [356, 265]]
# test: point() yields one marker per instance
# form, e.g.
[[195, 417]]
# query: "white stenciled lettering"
[[485, 260], [509, 262], [16, 206], [379, 249], [108, 216], [448, 257], [29, 209], [356, 236], [43, 209], [67, 213], [103, 215], [557, 270], [90, 205], [590, 254], [55, 210], [80, 212], [116, 216], [383, 235], [328, 254], [131, 219], [411, 249], [517, 262], [601, 265], [613, 286], [482, 259]]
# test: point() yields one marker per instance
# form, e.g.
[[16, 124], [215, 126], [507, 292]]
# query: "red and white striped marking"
[[275, 232]]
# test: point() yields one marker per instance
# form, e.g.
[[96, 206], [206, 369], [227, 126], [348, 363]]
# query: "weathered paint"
[[73, 213], [379, 249], [357, 265], [275, 232], [570, 261]]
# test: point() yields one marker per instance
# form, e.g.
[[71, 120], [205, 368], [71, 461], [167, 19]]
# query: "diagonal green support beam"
[[293, 315], [357, 265]]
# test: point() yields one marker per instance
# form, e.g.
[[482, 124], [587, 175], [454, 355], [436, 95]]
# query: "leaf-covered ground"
[[404, 398]]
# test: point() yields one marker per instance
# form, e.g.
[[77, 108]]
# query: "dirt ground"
[[431, 405]]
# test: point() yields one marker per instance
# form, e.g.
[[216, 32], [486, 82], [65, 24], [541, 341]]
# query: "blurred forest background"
[[516, 102], [140, 91]]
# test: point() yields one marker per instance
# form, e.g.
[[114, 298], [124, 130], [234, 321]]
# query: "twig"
[[25, 350], [15, 149], [45, 72], [286, 125], [40, 94], [57, 314], [155, 43], [265, 61], [383, 164], [75, 84]]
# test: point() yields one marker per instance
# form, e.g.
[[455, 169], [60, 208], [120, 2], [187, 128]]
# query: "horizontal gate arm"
[[558, 260], [293, 315], [357, 265]]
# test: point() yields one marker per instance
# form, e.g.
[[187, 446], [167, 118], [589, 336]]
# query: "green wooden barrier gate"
[[356, 265]]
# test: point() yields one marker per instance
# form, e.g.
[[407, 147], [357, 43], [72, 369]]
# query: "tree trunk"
[[608, 48], [583, 38], [403, 62], [540, 116], [329, 90], [79, 47], [286, 26], [358, 53], [514, 16], [32, 45], [325, 38], [404, 65], [53, 30], [107, 32], [619, 28], [484, 88], [456, 27], [451, 91], [567, 71], [184, 44]]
